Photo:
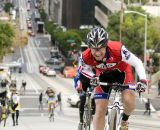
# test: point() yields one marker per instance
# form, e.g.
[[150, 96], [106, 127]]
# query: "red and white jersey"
[[117, 57]]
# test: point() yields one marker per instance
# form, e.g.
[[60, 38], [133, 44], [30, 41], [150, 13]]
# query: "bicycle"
[[87, 116], [51, 116], [115, 110]]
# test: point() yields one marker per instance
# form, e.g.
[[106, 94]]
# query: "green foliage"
[[154, 34], [82, 32], [62, 38], [7, 7], [43, 14], [132, 30], [136, 1], [6, 37]]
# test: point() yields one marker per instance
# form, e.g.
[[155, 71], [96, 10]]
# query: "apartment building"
[[104, 8], [70, 13]]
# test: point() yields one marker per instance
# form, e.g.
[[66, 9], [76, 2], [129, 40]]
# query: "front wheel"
[[113, 119]]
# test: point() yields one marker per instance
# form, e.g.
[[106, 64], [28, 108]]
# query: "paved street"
[[31, 118]]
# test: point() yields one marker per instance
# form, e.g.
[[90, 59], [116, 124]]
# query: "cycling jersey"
[[117, 57], [115, 67]]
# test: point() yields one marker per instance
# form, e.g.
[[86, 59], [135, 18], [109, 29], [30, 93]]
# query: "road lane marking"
[[29, 67]]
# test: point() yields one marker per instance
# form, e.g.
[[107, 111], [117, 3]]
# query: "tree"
[[43, 14], [7, 7], [63, 37], [136, 1], [154, 34], [6, 37], [132, 30]]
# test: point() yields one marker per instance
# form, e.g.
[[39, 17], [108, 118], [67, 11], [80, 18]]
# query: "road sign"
[[71, 41]]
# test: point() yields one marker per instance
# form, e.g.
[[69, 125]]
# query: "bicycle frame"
[[87, 111], [113, 118], [117, 106], [51, 117]]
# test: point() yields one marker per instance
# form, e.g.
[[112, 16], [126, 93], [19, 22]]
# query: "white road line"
[[28, 62], [21, 55], [38, 48], [32, 85]]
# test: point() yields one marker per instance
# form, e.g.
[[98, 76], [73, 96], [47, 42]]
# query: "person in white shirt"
[[15, 106]]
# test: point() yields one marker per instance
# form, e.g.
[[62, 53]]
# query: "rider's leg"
[[128, 99], [49, 108], [99, 118], [81, 107]]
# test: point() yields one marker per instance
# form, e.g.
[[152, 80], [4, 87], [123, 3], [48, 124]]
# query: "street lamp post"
[[145, 34]]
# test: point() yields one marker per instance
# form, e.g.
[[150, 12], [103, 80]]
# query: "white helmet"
[[97, 37]]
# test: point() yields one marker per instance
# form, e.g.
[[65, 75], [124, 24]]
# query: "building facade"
[[104, 8]]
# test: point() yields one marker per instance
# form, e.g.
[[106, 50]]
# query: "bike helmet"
[[97, 37]]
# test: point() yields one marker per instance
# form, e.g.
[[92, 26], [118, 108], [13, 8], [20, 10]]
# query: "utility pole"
[[121, 21]]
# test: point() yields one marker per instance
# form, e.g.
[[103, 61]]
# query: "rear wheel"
[[113, 118]]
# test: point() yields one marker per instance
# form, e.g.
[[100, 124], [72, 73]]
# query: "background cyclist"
[[51, 99], [112, 62], [82, 88], [81, 83]]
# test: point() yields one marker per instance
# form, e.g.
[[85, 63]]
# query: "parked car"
[[50, 72], [69, 72], [45, 70], [53, 61], [42, 68], [74, 100]]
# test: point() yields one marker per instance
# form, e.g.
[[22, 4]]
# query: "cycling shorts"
[[115, 76], [51, 100]]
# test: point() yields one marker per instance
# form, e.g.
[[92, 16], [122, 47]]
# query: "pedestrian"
[[159, 87], [59, 100], [40, 101], [24, 83], [15, 106], [147, 107]]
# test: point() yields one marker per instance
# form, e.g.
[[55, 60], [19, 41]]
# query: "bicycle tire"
[[113, 119], [51, 118], [81, 127], [5, 120], [89, 114], [87, 117]]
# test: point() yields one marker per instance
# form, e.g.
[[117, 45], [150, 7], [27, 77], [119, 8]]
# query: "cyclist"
[[51, 99], [82, 87], [112, 62]]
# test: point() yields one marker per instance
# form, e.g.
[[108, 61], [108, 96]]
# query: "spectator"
[[15, 105], [24, 85], [147, 107], [40, 101], [59, 99], [159, 87]]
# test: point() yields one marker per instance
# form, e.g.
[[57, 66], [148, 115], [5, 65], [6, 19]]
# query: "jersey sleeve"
[[134, 61], [85, 69]]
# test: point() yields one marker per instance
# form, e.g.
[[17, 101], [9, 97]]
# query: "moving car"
[[74, 100]]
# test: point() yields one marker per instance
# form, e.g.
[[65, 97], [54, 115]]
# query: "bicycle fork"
[[117, 110]]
